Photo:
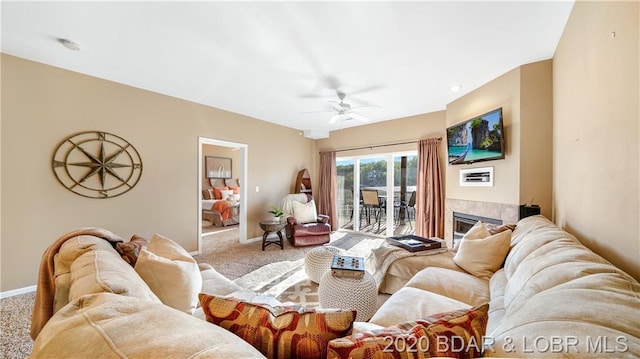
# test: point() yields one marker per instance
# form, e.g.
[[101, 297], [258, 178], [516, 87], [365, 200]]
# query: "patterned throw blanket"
[[382, 257], [223, 208], [46, 288]]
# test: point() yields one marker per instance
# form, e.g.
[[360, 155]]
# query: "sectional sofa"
[[553, 297]]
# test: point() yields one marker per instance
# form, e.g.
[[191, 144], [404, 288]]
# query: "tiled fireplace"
[[468, 212], [462, 222]]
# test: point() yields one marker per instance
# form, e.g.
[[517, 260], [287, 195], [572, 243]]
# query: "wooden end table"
[[272, 227]]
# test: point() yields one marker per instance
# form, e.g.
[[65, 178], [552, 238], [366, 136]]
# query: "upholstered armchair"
[[304, 226]]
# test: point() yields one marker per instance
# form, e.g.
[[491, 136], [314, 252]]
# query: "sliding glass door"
[[374, 193], [345, 193]]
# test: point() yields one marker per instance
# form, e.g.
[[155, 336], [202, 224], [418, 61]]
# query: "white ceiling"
[[275, 60]]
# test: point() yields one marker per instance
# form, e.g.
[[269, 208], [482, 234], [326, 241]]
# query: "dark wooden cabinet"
[[303, 182]]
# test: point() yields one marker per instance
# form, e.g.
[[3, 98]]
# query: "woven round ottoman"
[[350, 293], [318, 261]]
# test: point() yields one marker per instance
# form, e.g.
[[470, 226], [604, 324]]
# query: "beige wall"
[[502, 92], [536, 135], [401, 130], [595, 173], [526, 171], [596, 130], [41, 105]]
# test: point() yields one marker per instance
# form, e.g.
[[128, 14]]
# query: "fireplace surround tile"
[[508, 213]]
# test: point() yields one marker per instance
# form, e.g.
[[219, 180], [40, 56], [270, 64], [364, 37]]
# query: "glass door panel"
[[345, 173], [373, 194], [404, 187]]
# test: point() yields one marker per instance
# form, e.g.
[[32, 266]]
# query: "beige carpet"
[[277, 272], [287, 281], [15, 325]]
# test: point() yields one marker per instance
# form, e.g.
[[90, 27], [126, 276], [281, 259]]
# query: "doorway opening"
[[235, 154]]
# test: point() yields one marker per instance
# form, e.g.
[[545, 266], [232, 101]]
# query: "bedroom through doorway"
[[221, 193]]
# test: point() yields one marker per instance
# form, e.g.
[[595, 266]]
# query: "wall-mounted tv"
[[478, 139]]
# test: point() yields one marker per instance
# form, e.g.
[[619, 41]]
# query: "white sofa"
[[103, 309], [554, 297]]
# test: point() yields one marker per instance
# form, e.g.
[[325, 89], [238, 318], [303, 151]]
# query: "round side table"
[[318, 261], [272, 227], [350, 293]]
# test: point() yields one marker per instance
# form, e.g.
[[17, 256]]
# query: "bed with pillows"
[[221, 205]]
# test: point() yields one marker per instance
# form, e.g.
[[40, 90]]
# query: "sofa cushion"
[[129, 251], [403, 269], [100, 271], [215, 283], [552, 286], [74, 248], [69, 251], [312, 229], [497, 285], [171, 273], [107, 325], [453, 334], [591, 310], [549, 257], [460, 286], [482, 257], [478, 231], [411, 303], [279, 332]]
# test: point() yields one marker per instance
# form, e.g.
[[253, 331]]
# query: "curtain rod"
[[383, 145]]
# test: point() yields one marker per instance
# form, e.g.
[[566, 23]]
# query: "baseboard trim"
[[14, 292]]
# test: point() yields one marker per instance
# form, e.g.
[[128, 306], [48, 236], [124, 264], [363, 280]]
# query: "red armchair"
[[309, 229]]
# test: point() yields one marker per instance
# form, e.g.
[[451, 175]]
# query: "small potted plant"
[[276, 212]]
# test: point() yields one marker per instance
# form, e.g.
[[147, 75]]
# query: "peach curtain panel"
[[430, 196], [326, 194]]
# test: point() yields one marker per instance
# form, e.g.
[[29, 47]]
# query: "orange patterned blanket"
[[223, 208]]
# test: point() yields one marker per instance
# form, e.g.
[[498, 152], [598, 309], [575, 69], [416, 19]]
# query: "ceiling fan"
[[344, 111]]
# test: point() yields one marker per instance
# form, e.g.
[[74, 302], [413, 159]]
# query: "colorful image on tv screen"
[[478, 139]]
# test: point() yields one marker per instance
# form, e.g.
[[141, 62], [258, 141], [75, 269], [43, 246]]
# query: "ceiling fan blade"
[[359, 117], [364, 107], [321, 111], [338, 117], [366, 89]]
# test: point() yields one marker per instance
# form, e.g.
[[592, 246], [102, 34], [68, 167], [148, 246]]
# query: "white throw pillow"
[[226, 194], [478, 231], [482, 257], [171, 273], [305, 212]]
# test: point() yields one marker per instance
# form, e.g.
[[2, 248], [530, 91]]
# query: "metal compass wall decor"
[[97, 164]]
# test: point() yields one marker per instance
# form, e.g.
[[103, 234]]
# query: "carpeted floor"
[[16, 322], [278, 272]]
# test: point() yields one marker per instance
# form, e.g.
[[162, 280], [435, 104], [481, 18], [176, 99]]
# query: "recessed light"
[[455, 88], [69, 44]]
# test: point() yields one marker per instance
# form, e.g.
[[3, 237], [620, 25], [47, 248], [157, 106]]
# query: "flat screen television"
[[478, 139]]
